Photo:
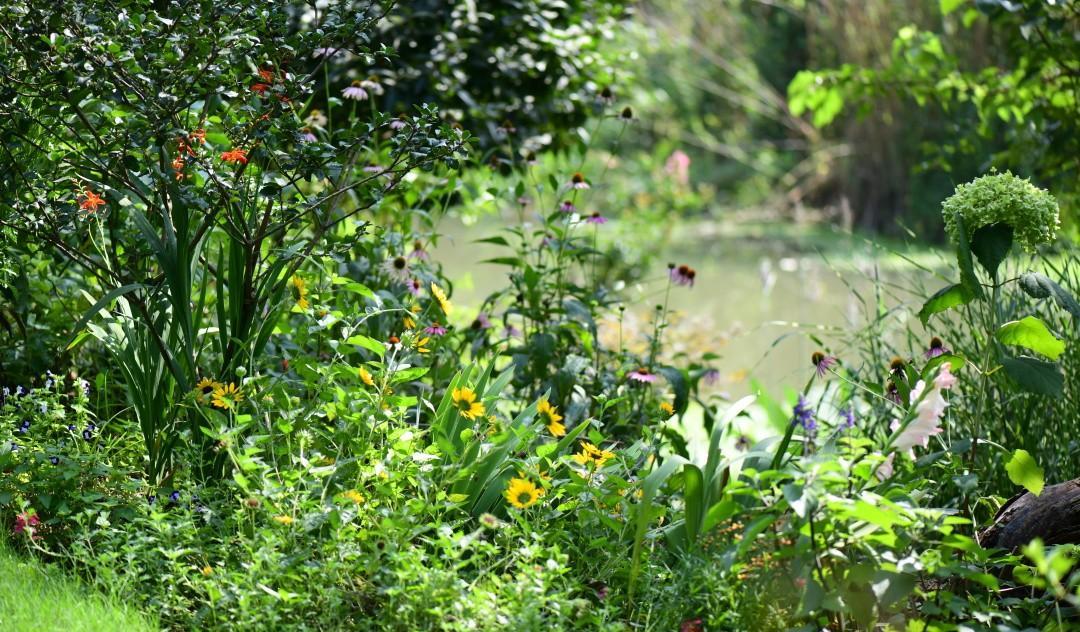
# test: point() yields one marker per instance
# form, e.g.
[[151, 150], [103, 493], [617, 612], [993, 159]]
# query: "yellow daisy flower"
[[285, 520], [408, 322], [667, 409], [465, 401], [301, 292], [365, 377], [205, 388], [440, 297], [207, 571], [522, 493], [227, 396], [554, 419], [421, 345], [354, 496]]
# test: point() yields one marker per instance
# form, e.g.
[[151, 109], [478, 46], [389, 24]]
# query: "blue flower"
[[55, 460], [804, 415], [174, 496], [849, 418]]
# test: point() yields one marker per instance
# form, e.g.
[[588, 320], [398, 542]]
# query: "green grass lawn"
[[39, 598]]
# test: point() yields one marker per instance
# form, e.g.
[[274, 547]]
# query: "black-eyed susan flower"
[[301, 292], [465, 401], [421, 345], [205, 389], [440, 298], [227, 396], [365, 376], [552, 416], [522, 493]]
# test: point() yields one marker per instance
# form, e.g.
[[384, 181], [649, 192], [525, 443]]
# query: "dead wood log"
[[1053, 516]]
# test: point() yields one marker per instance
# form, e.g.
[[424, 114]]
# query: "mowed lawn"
[[34, 597]]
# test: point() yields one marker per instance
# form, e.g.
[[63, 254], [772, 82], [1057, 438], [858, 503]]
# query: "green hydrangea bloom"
[[1002, 197]]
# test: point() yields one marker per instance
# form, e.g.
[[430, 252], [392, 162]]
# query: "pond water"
[[760, 293]]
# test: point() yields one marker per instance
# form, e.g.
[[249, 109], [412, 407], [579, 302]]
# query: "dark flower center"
[[935, 343], [817, 357]]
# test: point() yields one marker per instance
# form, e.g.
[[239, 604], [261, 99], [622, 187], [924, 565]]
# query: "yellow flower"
[[207, 571], [440, 296], [554, 426], [590, 454], [227, 396], [667, 409], [285, 520], [204, 388], [365, 377], [465, 402], [421, 345], [408, 322], [301, 292], [521, 493], [354, 496]]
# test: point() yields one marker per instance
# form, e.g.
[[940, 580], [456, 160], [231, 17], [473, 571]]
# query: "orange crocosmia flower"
[[199, 135], [91, 201], [260, 88], [178, 167], [266, 74], [236, 155]]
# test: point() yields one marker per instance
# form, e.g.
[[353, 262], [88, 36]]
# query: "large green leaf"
[[945, 298], [1023, 470], [964, 261], [1040, 286], [1035, 376], [991, 244], [1031, 333]]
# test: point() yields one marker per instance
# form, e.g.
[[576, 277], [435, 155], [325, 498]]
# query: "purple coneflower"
[[414, 286], [937, 348], [307, 136], [481, 322], [372, 85], [512, 332], [596, 218], [418, 251], [607, 95], [355, 92], [397, 269], [682, 275], [822, 363], [530, 159], [642, 375], [710, 377], [435, 330], [567, 206], [577, 181], [742, 444]]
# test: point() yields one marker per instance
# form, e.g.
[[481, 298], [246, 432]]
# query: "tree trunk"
[[1053, 516]]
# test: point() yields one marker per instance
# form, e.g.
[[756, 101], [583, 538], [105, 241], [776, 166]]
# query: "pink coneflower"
[[307, 136], [822, 363], [355, 92], [567, 206], [530, 159], [400, 123], [435, 330], [414, 286], [577, 181], [481, 322], [596, 218], [418, 251], [642, 375], [372, 85], [678, 166], [937, 348], [683, 275], [397, 269], [512, 332]]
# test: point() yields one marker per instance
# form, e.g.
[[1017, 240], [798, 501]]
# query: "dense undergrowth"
[[264, 411]]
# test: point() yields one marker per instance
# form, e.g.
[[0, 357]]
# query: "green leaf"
[[1031, 333], [370, 344], [948, 6], [679, 384], [1039, 286], [963, 260], [411, 373], [991, 244], [943, 299], [1023, 470], [1035, 376]]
